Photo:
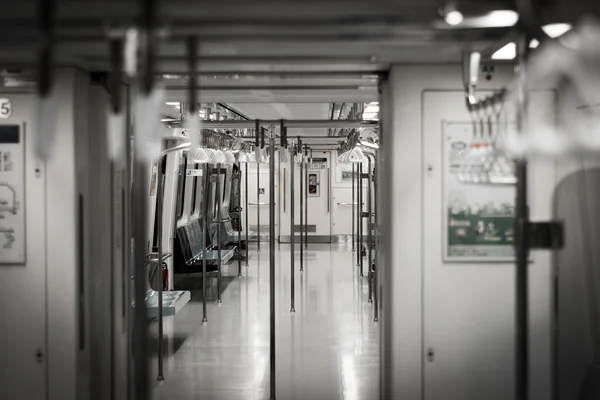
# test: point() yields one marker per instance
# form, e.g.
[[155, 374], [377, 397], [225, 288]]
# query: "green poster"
[[479, 218]]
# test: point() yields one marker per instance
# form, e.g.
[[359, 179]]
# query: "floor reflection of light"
[[259, 369], [349, 378]]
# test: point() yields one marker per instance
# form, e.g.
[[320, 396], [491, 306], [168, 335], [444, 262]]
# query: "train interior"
[[251, 200]]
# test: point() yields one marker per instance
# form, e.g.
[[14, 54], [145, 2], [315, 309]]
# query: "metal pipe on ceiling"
[[291, 124]]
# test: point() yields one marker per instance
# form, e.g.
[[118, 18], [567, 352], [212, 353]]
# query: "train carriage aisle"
[[299, 199]]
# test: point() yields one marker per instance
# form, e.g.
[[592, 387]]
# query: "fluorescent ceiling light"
[[372, 109], [493, 19], [552, 30], [500, 18], [556, 30], [169, 120], [507, 52], [454, 17], [172, 103]]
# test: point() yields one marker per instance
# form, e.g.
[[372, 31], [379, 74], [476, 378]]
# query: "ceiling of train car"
[[258, 35], [273, 111], [268, 51]]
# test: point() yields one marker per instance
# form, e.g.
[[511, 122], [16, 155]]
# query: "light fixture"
[[371, 111], [506, 52], [556, 30], [453, 17], [499, 19], [493, 19], [369, 144], [169, 120], [534, 44]]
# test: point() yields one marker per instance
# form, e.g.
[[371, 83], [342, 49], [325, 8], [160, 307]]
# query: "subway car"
[[346, 199]]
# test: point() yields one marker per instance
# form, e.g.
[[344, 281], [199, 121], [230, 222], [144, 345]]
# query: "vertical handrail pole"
[[246, 215], [353, 211], [522, 242], [272, 258], [306, 199], [369, 238], [159, 205], [360, 217], [376, 264], [159, 253], [219, 198], [301, 206], [258, 200], [357, 215], [205, 219], [239, 227], [293, 256]]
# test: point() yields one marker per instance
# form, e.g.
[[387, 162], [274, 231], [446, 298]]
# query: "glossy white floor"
[[327, 349]]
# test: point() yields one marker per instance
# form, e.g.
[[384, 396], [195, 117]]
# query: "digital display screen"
[[9, 134]]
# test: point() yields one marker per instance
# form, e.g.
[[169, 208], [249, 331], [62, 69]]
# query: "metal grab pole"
[[160, 199], [159, 254], [375, 264], [219, 198], [357, 216], [522, 245], [272, 257], [204, 319], [306, 200], [239, 228], [301, 206], [293, 256], [353, 201], [370, 253], [258, 199], [246, 215], [360, 218]]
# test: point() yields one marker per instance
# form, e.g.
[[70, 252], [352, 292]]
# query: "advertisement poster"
[[479, 218]]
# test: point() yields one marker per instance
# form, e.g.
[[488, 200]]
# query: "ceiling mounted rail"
[[291, 124]]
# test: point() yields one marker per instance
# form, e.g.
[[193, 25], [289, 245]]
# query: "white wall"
[[402, 168], [71, 258]]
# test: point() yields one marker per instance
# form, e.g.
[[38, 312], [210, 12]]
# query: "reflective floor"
[[327, 349]]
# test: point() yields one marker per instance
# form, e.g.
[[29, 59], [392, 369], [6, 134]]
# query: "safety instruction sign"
[[193, 172], [12, 195], [479, 219]]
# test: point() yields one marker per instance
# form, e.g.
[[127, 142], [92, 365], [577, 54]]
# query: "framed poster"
[[478, 219], [313, 184], [12, 195]]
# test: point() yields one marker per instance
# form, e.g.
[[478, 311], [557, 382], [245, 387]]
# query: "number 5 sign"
[[5, 108]]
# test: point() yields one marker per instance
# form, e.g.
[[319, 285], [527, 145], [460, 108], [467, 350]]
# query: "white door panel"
[[343, 211], [468, 347], [23, 353]]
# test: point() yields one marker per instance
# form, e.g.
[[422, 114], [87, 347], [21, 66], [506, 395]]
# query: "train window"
[[181, 187], [194, 190]]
